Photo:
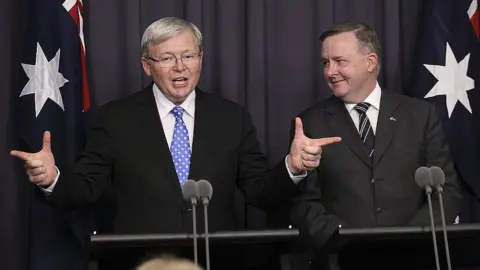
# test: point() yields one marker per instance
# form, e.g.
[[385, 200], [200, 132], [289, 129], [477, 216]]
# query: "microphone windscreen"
[[205, 189], [190, 189], [438, 176], [423, 177]]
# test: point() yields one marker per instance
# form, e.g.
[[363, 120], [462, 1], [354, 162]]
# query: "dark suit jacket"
[[127, 150], [127, 158], [349, 189]]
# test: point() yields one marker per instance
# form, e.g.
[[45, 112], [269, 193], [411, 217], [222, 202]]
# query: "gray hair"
[[365, 35], [167, 28]]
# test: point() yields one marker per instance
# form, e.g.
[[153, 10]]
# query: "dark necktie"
[[365, 129]]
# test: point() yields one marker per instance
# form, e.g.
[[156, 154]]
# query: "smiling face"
[[348, 68], [176, 78]]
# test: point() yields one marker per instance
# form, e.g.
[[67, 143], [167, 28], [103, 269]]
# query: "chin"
[[180, 91], [340, 92], [182, 94]]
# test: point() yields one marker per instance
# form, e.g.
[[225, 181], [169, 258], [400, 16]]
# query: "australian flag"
[[447, 73], [53, 96]]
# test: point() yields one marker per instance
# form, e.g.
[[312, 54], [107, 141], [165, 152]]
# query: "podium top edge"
[[285, 233]]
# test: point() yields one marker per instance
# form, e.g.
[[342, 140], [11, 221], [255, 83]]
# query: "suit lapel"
[[202, 129], [339, 120], [387, 124], [159, 147]]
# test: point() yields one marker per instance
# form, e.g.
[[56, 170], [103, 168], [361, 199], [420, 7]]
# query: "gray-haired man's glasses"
[[170, 60]]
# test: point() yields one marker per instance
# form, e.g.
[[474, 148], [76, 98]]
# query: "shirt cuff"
[[49, 190], [296, 178]]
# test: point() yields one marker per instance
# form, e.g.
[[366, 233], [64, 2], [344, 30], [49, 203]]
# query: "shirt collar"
[[373, 99], [165, 106]]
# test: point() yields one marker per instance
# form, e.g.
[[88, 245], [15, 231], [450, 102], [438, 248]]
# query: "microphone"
[[205, 191], [438, 178], [190, 193], [423, 177]]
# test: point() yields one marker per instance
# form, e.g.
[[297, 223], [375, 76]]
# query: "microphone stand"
[[190, 194], [205, 191], [428, 191], [195, 236], [444, 227], [207, 249]]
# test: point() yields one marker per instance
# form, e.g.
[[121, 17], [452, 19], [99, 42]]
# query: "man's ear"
[[146, 66], [372, 61]]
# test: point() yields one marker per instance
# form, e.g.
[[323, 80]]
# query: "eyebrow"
[[185, 51], [334, 58]]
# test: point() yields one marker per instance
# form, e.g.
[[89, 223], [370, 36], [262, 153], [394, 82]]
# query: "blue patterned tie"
[[180, 147]]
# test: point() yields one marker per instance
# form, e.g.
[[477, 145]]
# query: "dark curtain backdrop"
[[263, 54]]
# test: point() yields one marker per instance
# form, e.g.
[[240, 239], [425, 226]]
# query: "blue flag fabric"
[[54, 96], [447, 73]]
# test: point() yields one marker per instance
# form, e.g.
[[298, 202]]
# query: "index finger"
[[21, 155], [326, 141]]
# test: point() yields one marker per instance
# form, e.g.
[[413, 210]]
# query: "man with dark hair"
[[368, 179], [365, 35]]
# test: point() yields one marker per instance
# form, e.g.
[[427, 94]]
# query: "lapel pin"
[[393, 119]]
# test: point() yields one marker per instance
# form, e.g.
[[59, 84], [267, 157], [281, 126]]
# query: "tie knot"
[[177, 111], [362, 108]]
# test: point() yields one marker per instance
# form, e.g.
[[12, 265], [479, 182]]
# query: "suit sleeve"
[[437, 153], [261, 186], [308, 213], [85, 183]]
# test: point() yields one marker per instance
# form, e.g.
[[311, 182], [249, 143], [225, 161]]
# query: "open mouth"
[[181, 81]]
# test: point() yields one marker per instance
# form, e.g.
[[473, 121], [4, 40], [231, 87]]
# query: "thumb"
[[298, 127], [47, 145]]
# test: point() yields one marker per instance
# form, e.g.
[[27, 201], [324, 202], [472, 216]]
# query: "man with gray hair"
[[145, 146], [369, 178]]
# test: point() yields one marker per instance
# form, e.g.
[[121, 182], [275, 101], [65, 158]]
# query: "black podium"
[[404, 248], [375, 248], [251, 246]]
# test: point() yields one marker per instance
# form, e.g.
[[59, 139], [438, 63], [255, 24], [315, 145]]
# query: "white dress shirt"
[[372, 112], [165, 106]]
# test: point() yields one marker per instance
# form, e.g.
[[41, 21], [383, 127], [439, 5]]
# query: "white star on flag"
[[45, 80], [453, 81]]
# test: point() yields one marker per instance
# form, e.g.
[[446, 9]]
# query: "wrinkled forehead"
[[180, 43]]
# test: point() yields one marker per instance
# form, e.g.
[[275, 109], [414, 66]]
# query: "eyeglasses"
[[170, 60]]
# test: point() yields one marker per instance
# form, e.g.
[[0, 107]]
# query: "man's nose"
[[179, 64], [330, 69]]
